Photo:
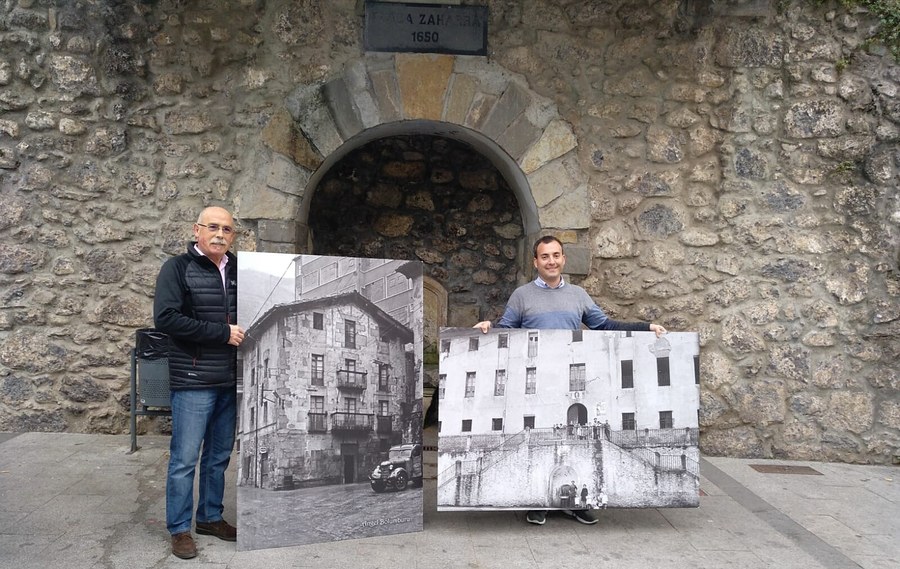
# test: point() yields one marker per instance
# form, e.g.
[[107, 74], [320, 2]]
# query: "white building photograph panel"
[[330, 424], [562, 419]]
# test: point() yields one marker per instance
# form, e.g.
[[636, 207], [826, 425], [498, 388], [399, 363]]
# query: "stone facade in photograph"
[[729, 168]]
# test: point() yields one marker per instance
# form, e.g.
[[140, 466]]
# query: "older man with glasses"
[[196, 305]]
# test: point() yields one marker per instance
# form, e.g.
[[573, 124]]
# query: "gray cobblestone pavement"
[[80, 501]]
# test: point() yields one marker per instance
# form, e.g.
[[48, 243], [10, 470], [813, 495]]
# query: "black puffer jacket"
[[193, 309]]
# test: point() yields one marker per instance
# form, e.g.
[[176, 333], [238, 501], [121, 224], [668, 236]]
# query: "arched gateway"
[[461, 98]]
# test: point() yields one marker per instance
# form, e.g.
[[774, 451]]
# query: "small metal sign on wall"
[[426, 28]]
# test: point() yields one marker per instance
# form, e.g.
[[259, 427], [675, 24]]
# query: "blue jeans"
[[200, 418]]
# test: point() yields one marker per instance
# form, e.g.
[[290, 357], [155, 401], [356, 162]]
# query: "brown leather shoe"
[[183, 545], [221, 529]]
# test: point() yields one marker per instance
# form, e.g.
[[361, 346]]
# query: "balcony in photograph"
[[352, 422], [351, 380]]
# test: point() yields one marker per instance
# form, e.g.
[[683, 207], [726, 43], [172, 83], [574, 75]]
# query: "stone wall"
[[729, 170]]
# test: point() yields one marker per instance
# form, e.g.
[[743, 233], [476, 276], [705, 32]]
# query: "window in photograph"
[[530, 380], [532, 344], [317, 414], [628, 422], [697, 370], [662, 371], [467, 425], [473, 344], [318, 369], [470, 384], [396, 284], [349, 334], [445, 346], [503, 341], [384, 377], [318, 321], [665, 420], [383, 408], [350, 404], [500, 382], [442, 383], [627, 374], [528, 422], [497, 424], [576, 377]]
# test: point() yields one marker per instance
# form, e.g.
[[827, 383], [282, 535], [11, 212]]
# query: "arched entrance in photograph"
[[577, 414]]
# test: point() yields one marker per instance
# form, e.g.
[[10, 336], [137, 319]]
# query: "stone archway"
[[462, 98]]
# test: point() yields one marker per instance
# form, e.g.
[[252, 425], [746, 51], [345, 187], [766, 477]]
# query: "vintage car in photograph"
[[404, 464]]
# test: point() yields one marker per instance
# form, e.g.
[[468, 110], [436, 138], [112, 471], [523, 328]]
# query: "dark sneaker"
[[583, 516], [221, 529], [536, 517], [183, 545]]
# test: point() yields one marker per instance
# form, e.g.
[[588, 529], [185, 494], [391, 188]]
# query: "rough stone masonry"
[[727, 167]]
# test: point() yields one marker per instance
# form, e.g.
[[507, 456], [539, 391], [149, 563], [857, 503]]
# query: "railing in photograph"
[[667, 462], [656, 437], [352, 421], [349, 379], [317, 422]]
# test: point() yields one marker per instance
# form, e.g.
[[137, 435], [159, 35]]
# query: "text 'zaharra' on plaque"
[[425, 28]]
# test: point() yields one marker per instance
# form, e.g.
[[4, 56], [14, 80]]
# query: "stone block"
[[284, 175], [387, 95], [307, 106], [814, 119], [187, 121], [480, 109], [571, 210], [423, 80], [511, 104], [614, 243], [281, 135], [578, 260], [276, 247], [459, 99], [750, 47], [550, 182], [258, 201], [342, 108], [360, 90], [556, 140], [277, 231], [521, 134]]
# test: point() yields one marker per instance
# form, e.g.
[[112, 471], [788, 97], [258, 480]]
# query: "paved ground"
[[79, 501]]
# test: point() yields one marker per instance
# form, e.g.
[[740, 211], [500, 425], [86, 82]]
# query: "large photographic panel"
[[567, 419], [330, 424]]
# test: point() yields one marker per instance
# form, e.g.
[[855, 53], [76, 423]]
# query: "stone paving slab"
[[81, 501]]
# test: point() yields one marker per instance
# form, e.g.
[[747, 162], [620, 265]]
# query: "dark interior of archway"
[[427, 198]]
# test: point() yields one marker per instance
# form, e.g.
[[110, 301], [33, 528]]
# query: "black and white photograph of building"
[[330, 425], [567, 419]]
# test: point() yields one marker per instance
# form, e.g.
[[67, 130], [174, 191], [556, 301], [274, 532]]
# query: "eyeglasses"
[[215, 227]]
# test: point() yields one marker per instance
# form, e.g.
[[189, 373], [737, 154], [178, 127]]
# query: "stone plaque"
[[426, 28]]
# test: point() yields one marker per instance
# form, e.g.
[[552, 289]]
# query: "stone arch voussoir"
[[461, 97]]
